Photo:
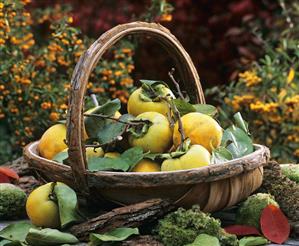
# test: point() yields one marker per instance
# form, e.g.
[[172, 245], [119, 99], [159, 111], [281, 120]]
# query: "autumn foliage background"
[[251, 43]]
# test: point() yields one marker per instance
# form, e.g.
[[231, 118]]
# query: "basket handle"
[[87, 62]]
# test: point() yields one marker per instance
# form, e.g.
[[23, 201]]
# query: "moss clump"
[[291, 171], [183, 226], [285, 191], [250, 211], [12, 201]]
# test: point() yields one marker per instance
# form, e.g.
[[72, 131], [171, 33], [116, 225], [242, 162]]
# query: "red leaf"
[[4, 178], [242, 230], [9, 173], [274, 224]]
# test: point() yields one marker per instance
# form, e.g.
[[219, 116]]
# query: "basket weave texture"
[[213, 187]]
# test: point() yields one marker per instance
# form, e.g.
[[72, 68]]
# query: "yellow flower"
[[1, 5], [250, 78], [291, 75], [118, 73]]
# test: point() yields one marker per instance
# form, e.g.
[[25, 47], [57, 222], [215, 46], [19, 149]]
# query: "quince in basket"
[[160, 132]]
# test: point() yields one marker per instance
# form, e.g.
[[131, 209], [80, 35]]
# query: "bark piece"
[[128, 216]]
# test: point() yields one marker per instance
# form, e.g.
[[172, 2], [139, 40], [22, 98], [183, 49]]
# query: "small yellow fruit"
[[137, 106], [146, 165], [112, 154], [158, 138], [41, 210], [201, 129], [197, 156], [52, 141]]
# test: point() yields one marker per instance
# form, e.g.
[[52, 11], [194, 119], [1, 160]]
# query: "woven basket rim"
[[191, 176]]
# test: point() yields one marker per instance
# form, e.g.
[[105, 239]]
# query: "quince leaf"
[[221, 155], [109, 132], [126, 161], [206, 109], [237, 142], [16, 232], [183, 106], [116, 235], [205, 239], [241, 123], [94, 124], [47, 236], [67, 204]]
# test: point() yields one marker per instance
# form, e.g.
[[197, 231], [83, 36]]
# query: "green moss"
[[183, 226], [12, 201], [291, 171], [250, 211]]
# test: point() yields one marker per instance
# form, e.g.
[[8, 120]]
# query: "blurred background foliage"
[[252, 43]]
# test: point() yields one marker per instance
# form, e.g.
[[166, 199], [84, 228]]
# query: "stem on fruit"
[[170, 74]]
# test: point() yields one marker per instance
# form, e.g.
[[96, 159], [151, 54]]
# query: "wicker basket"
[[213, 187]]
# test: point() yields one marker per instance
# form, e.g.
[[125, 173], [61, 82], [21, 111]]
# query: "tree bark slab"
[[128, 216]]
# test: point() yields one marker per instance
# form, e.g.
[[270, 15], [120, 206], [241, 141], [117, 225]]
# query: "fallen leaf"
[[274, 224], [242, 230], [9, 172]]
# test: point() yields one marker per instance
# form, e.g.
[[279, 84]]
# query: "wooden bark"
[[128, 216]]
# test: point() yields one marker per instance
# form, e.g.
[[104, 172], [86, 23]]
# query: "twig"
[[103, 116], [170, 74]]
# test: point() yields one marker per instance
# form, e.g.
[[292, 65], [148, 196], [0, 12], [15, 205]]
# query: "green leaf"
[[127, 160], [152, 82], [183, 106], [116, 235], [206, 109], [11, 243], [16, 232], [67, 203], [94, 124], [253, 241], [47, 237], [205, 239], [60, 157], [237, 142], [109, 132], [240, 122], [220, 155], [107, 164]]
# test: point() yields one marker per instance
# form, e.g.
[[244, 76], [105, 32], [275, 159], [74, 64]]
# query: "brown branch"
[[128, 216], [103, 116], [170, 74]]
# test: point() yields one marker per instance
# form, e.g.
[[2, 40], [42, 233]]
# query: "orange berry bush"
[[38, 51]]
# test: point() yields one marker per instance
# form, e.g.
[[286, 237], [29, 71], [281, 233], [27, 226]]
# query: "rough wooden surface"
[[128, 216], [106, 179], [212, 187]]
